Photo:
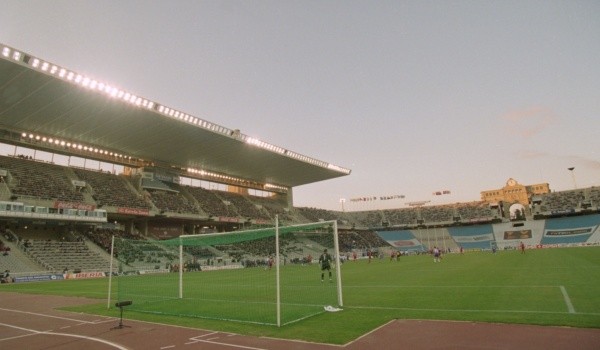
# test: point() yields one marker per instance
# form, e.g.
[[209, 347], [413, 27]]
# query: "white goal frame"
[[338, 269]]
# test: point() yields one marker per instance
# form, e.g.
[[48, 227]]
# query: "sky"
[[413, 96]]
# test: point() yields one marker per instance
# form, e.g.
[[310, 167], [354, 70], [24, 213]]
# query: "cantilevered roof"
[[40, 98]]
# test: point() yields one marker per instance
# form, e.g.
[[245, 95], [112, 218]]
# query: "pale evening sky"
[[413, 96]]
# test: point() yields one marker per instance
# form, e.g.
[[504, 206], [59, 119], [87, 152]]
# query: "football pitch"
[[543, 286]]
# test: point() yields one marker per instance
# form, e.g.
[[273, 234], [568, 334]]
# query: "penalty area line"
[[570, 307], [468, 310]]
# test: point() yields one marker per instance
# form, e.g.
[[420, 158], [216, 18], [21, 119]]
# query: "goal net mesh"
[[231, 276]]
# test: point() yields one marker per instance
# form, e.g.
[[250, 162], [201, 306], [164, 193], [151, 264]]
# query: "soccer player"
[[436, 254], [325, 261]]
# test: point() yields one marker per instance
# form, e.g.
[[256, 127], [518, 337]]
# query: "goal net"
[[266, 276]]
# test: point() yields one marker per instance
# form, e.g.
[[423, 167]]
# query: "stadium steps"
[[17, 261]]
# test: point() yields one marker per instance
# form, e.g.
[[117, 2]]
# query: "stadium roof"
[[40, 98]]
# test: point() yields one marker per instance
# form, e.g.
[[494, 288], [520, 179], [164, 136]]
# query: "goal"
[[265, 276]]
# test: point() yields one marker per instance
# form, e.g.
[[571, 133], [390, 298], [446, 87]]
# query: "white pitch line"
[[226, 344], [567, 300], [197, 339], [46, 315], [34, 332], [468, 310]]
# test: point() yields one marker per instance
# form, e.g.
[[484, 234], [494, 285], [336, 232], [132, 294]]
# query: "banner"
[[72, 205], [228, 219], [374, 198], [38, 278], [440, 193], [573, 232], [133, 211], [406, 243], [474, 238], [82, 275], [165, 230]]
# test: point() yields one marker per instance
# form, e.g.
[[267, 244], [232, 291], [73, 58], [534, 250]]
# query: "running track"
[[32, 322]]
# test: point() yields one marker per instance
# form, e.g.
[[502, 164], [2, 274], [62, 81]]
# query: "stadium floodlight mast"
[[342, 201]]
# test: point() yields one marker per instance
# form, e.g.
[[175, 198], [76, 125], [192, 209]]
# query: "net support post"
[[180, 268], [277, 271], [110, 270]]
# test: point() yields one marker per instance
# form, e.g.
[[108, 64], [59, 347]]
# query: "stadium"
[[117, 198]]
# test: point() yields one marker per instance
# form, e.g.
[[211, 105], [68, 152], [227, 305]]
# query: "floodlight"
[[5, 52], [35, 63], [16, 55]]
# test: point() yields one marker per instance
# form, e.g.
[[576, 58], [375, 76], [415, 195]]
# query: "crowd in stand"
[[172, 202], [562, 201], [4, 250], [210, 203], [437, 213], [39, 179], [404, 216], [123, 191], [112, 190], [316, 214]]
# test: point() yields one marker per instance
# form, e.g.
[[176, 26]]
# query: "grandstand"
[[88, 160]]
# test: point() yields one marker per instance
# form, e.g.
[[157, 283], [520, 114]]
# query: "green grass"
[[509, 287], [244, 295]]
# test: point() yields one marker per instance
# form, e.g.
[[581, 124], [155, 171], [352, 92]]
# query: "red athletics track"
[[32, 322]]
